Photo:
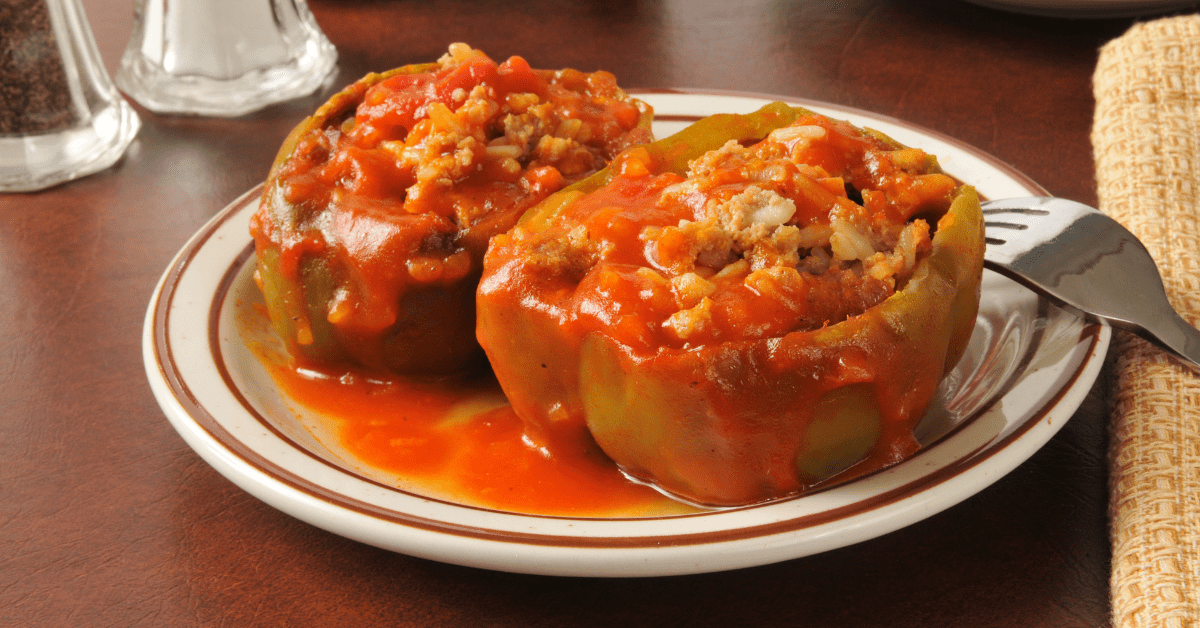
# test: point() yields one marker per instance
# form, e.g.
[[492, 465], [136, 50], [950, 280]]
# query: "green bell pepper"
[[724, 421]]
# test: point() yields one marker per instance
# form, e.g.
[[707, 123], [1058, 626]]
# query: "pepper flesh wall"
[[748, 309], [377, 212]]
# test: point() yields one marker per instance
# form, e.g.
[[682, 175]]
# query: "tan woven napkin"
[[1146, 138]]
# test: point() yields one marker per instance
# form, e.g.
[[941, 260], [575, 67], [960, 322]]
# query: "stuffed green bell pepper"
[[745, 310], [377, 212]]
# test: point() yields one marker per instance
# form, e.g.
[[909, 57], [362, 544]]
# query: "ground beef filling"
[[815, 224]]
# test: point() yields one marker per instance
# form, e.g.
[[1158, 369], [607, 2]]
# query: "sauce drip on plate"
[[461, 440]]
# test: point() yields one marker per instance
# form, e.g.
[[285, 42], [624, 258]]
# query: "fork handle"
[[1175, 334]]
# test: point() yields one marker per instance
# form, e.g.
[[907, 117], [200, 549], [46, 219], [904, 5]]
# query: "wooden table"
[[108, 519]]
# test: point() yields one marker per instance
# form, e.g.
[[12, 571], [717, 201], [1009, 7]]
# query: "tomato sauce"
[[460, 440]]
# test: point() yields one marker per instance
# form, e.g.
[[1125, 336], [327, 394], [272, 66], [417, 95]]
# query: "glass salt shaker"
[[223, 57], [61, 117]]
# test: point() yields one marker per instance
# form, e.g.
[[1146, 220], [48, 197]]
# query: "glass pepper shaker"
[[60, 114]]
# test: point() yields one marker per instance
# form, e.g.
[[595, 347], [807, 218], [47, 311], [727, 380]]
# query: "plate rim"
[[1095, 9], [1010, 170], [181, 407]]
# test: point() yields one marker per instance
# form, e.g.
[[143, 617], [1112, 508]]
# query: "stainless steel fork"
[[1088, 262]]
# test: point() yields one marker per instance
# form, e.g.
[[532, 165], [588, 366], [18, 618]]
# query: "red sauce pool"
[[462, 441]]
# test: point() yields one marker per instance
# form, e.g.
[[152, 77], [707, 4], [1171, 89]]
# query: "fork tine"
[[1087, 261], [1007, 223]]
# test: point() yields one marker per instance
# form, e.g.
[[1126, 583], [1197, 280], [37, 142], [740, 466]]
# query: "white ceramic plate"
[[1087, 8], [1026, 371]]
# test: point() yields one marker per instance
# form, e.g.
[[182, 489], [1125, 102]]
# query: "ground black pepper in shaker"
[[34, 96], [61, 117]]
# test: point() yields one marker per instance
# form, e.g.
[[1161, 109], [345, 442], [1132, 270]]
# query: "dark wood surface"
[[108, 519]]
